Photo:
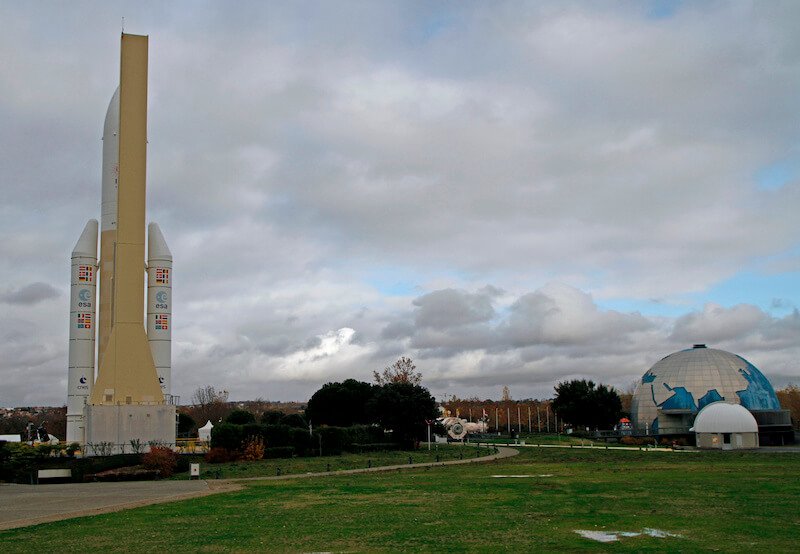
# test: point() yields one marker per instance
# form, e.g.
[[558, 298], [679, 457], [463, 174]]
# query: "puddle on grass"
[[613, 536], [521, 476]]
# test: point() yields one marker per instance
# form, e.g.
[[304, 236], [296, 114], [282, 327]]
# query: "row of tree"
[[579, 403], [396, 401]]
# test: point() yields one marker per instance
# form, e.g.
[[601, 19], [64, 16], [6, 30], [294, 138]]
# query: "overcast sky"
[[510, 193]]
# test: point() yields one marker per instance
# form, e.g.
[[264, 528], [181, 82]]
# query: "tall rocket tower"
[[128, 400]]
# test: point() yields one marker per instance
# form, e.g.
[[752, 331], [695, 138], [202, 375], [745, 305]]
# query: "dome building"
[[725, 426], [675, 389]]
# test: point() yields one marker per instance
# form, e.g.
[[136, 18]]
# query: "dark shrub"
[[294, 420], [217, 456], [271, 417], [227, 435], [162, 459], [279, 452], [185, 461], [240, 417], [334, 440], [301, 441], [277, 435], [186, 424]]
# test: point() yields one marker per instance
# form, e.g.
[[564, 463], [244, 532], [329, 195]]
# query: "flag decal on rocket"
[[84, 321], [162, 276], [85, 273], [162, 322]]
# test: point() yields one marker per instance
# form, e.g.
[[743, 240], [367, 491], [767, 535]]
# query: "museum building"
[[673, 391]]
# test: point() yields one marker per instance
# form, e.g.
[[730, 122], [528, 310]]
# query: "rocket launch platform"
[[128, 401]]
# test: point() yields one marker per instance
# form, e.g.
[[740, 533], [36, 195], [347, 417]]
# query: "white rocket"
[[82, 325], [159, 304], [85, 322]]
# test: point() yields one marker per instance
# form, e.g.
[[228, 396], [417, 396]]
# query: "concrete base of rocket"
[[122, 428]]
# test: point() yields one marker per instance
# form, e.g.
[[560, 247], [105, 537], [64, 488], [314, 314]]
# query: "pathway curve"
[[24, 505]]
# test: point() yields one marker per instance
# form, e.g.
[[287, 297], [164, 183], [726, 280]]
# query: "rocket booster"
[[82, 327], [159, 305]]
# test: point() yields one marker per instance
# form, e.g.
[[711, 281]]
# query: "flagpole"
[[529, 418], [538, 419]]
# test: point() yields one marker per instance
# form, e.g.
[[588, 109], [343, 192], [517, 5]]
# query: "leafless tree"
[[209, 404], [402, 371]]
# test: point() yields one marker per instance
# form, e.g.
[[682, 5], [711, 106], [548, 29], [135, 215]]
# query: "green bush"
[[335, 440], [271, 417], [294, 420], [240, 417], [301, 441], [17, 462], [279, 452], [227, 435], [374, 447]]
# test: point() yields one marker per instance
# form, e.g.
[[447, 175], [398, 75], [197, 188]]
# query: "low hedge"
[[334, 440], [279, 452]]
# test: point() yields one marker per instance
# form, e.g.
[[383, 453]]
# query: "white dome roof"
[[724, 417], [689, 380]]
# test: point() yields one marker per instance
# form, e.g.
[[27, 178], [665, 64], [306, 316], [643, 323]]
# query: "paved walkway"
[[23, 505]]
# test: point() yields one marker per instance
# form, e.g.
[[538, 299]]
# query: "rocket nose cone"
[[111, 125], [157, 248], [87, 244]]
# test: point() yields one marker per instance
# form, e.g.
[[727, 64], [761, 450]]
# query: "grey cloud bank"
[[469, 185]]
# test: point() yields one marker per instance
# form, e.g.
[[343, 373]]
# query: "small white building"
[[725, 426], [204, 432]]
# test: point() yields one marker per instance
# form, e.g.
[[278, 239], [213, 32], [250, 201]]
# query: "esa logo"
[[161, 300], [84, 298], [161, 380]]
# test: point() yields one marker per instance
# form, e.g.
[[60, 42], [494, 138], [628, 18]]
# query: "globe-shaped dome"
[[686, 381], [724, 417]]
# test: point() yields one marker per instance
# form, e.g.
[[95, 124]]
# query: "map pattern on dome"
[[688, 380]]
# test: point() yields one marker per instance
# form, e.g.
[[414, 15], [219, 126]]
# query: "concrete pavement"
[[23, 505]]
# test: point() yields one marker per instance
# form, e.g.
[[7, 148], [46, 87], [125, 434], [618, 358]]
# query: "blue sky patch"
[[777, 175], [663, 9]]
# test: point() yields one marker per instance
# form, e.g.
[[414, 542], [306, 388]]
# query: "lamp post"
[[428, 422]]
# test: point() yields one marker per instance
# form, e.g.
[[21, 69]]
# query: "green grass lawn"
[[286, 466], [730, 502], [543, 438]]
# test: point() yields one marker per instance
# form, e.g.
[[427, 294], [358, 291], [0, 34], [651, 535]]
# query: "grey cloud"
[[30, 294], [562, 315], [716, 323], [555, 317], [443, 309], [397, 329]]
